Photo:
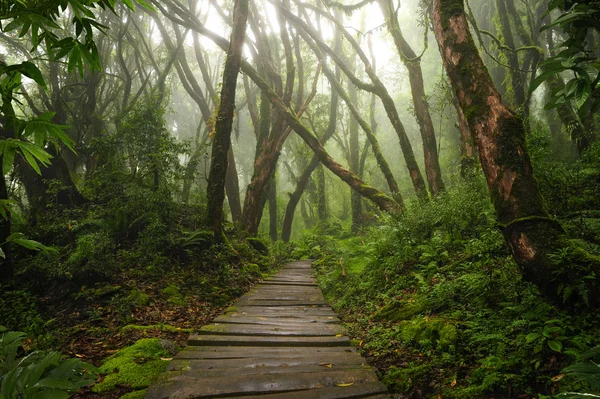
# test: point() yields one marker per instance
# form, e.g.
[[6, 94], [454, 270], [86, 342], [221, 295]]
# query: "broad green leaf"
[[129, 4], [31, 71], [146, 5], [531, 337], [19, 239], [556, 346], [8, 155], [582, 93]]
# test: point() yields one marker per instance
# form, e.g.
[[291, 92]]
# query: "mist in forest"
[[437, 159]]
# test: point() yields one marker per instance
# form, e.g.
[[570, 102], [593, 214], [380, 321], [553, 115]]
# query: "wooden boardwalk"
[[279, 341]]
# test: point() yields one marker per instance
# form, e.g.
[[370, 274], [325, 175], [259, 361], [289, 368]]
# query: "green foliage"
[[440, 295], [577, 57], [19, 311], [135, 366], [38, 374]]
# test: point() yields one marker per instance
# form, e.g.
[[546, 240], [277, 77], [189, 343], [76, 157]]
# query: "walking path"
[[280, 340]]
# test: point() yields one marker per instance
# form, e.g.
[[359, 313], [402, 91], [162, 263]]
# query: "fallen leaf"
[[453, 383], [344, 384], [557, 377], [166, 359], [339, 335], [328, 365], [79, 355]]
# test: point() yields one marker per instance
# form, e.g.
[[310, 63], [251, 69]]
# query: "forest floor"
[[101, 319]]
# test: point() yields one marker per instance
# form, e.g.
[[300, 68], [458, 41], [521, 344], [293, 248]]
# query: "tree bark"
[[433, 172], [530, 233], [514, 74], [273, 208], [468, 156], [232, 188], [353, 147], [222, 138], [321, 194]]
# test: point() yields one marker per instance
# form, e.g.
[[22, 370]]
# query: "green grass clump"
[[136, 366]]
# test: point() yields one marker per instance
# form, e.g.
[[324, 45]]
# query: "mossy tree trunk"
[[321, 194], [468, 153], [222, 138], [412, 62], [273, 208], [354, 152], [515, 84], [269, 141], [232, 188], [500, 138]]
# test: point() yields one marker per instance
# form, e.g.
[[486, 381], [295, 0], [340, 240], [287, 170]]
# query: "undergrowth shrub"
[[439, 294]]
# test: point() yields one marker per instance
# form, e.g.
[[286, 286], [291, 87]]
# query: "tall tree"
[[222, 138], [532, 235], [412, 61]]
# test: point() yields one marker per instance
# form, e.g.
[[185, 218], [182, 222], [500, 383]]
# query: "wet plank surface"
[[280, 340]]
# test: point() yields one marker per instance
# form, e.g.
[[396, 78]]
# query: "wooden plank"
[[264, 370], [183, 386], [275, 302], [274, 320], [372, 390], [326, 361], [285, 310], [336, 359], [288, 283], [308, 329], [235, 340], [241, 352]]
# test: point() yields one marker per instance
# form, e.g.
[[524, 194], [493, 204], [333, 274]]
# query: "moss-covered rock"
[[173, 295], [138, 298], [136, 366]]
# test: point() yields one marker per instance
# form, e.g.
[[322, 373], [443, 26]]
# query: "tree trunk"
[[232, 188], [516, 86], [286, 229], [500, 137], [6, 265], [222, 138], [321, 194], [354, 150], [412, 62], [468, 156], [273, 208]]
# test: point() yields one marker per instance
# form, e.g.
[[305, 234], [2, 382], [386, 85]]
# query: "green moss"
[[137, 366], [449, 9], [138, 298], [251, 269], [173, 295], [257, 244], [213, 328], [107, 290], [135, 395]]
